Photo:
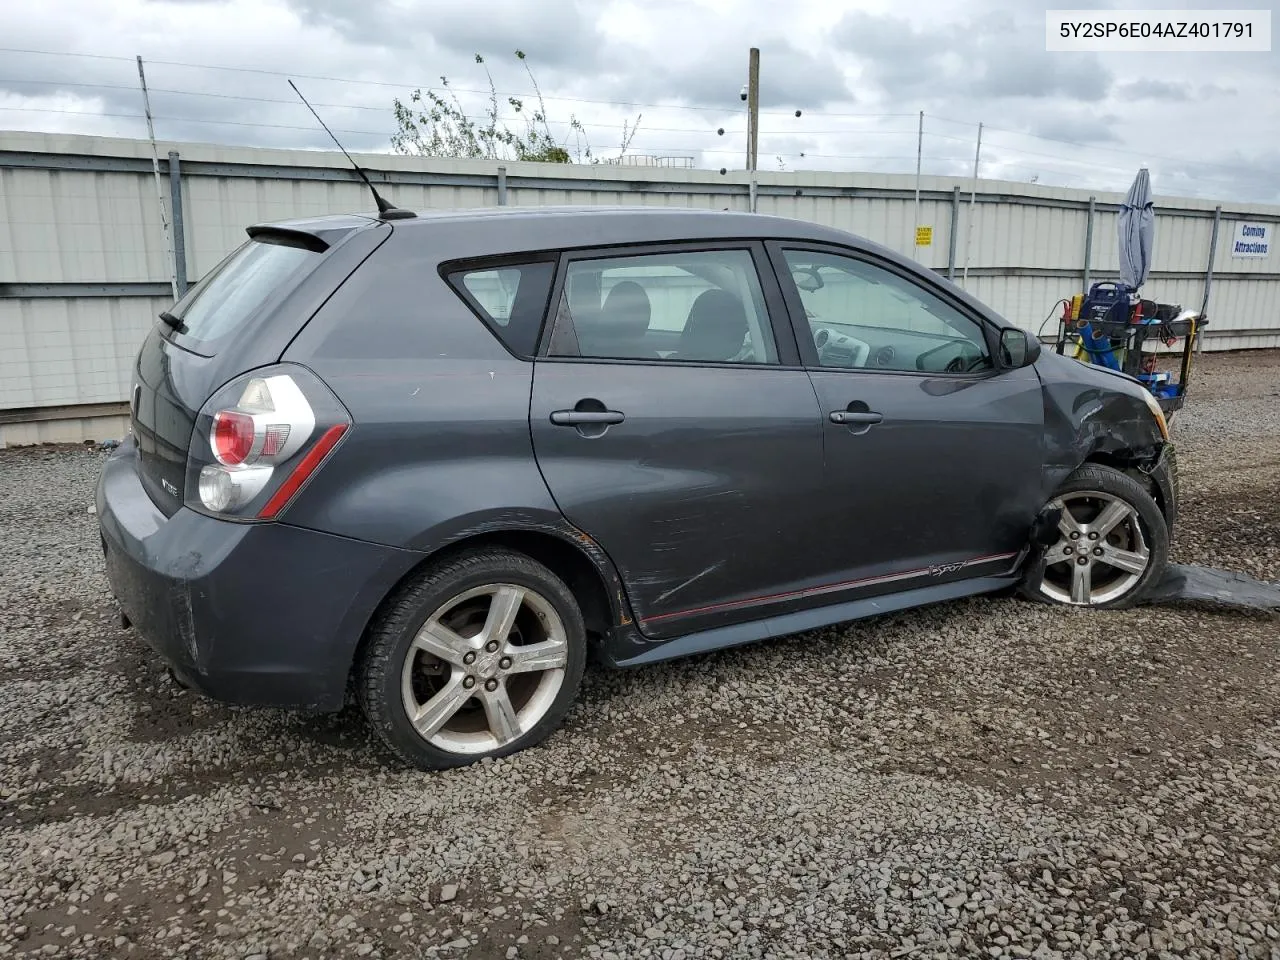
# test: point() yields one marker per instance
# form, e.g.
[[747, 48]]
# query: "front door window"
[[862, 315]]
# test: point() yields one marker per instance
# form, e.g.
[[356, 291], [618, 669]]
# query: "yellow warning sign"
[[924, 236]]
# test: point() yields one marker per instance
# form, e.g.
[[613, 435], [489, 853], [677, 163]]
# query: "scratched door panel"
[[944, 485], [706, 495]]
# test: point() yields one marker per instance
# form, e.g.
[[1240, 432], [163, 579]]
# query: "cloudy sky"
[[1207, 124]]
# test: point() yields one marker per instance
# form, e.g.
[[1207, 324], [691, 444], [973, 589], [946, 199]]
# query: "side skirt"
[[621, 651]]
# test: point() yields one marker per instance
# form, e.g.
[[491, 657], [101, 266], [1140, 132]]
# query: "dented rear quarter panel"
[[439, 451]]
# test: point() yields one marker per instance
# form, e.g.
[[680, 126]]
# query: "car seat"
[[619, 329], [716, 328]]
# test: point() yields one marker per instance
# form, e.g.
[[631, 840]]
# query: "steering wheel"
[[960, 365]]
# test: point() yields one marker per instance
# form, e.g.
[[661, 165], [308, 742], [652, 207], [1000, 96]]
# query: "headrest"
[[716, 327], [625, 312]]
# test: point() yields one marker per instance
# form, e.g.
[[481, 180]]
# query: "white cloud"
[[1207, 124]]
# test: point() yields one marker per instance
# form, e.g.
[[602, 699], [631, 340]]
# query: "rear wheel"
[[479, 657], [1113, 543]]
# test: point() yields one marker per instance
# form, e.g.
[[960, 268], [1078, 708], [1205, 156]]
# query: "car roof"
[[731, 219], [541, 226], [483, 232]]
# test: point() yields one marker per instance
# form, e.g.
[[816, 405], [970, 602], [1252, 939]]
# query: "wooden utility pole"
[[753, 107]]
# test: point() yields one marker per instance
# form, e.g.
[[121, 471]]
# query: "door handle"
[[578, 418], [855, 416]]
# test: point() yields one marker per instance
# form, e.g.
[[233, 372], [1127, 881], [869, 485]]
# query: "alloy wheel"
[[484, 668], [1101, 553]]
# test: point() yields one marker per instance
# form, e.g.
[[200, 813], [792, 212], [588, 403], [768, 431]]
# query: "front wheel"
[[1113, 543], [479, 657]]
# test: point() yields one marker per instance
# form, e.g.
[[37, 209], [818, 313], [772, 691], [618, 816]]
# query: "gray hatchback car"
[[436, 461]]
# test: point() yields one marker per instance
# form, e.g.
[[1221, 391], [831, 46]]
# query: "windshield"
[[239, 286]]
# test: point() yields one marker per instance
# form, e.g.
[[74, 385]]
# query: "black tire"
[[1107, 480], [379, 673]]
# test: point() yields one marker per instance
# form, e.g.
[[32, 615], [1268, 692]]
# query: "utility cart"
[[1112, 327]]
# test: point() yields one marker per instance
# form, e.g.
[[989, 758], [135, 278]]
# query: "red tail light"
[[233, 436], [306, 466], [265, 441]]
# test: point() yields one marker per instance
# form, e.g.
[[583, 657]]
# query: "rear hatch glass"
[[174, 372], [261, 270]]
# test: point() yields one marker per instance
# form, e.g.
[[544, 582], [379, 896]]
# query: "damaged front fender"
[[1092, 414]]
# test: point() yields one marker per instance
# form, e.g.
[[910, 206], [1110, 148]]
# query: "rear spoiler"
[[318, 235], [298, 238]]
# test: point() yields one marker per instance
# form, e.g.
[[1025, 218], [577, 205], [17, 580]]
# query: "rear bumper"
[[248, 613]]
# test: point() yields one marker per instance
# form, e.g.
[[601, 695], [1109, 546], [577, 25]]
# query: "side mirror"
[[1018, 348]]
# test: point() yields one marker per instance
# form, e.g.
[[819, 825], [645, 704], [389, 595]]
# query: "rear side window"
[[237, 287], [511, 300], [701, 306]]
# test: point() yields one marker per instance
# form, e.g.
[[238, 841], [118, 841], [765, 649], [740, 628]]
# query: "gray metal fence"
[[85, 264]]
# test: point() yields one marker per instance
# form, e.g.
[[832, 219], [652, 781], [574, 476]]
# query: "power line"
[[589, 126], [233, 123], [285, 126], [405, 86], [1207, 164], [276, 126], [66, 53], [1082, 167], [1211, 164], [685, 149], [76, 113], [383, 109], [943, 136], [1204, 164], [1094, 146], [586, 100]]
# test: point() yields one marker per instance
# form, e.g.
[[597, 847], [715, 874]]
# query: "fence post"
[[955, 219], [1208, 273], [179, 238], [915, 210], [1088, 242], [973, 211], [502, 186], [155, 170]]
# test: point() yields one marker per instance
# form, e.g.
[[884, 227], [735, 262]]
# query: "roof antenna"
[[386, 210]]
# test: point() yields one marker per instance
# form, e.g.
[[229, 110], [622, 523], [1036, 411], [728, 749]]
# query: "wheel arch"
[[568, 553], [1131, 464]]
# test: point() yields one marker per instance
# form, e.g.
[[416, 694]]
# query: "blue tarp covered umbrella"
[[1137, 231]]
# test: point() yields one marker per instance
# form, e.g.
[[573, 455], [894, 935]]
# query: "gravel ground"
[[981, 778]]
